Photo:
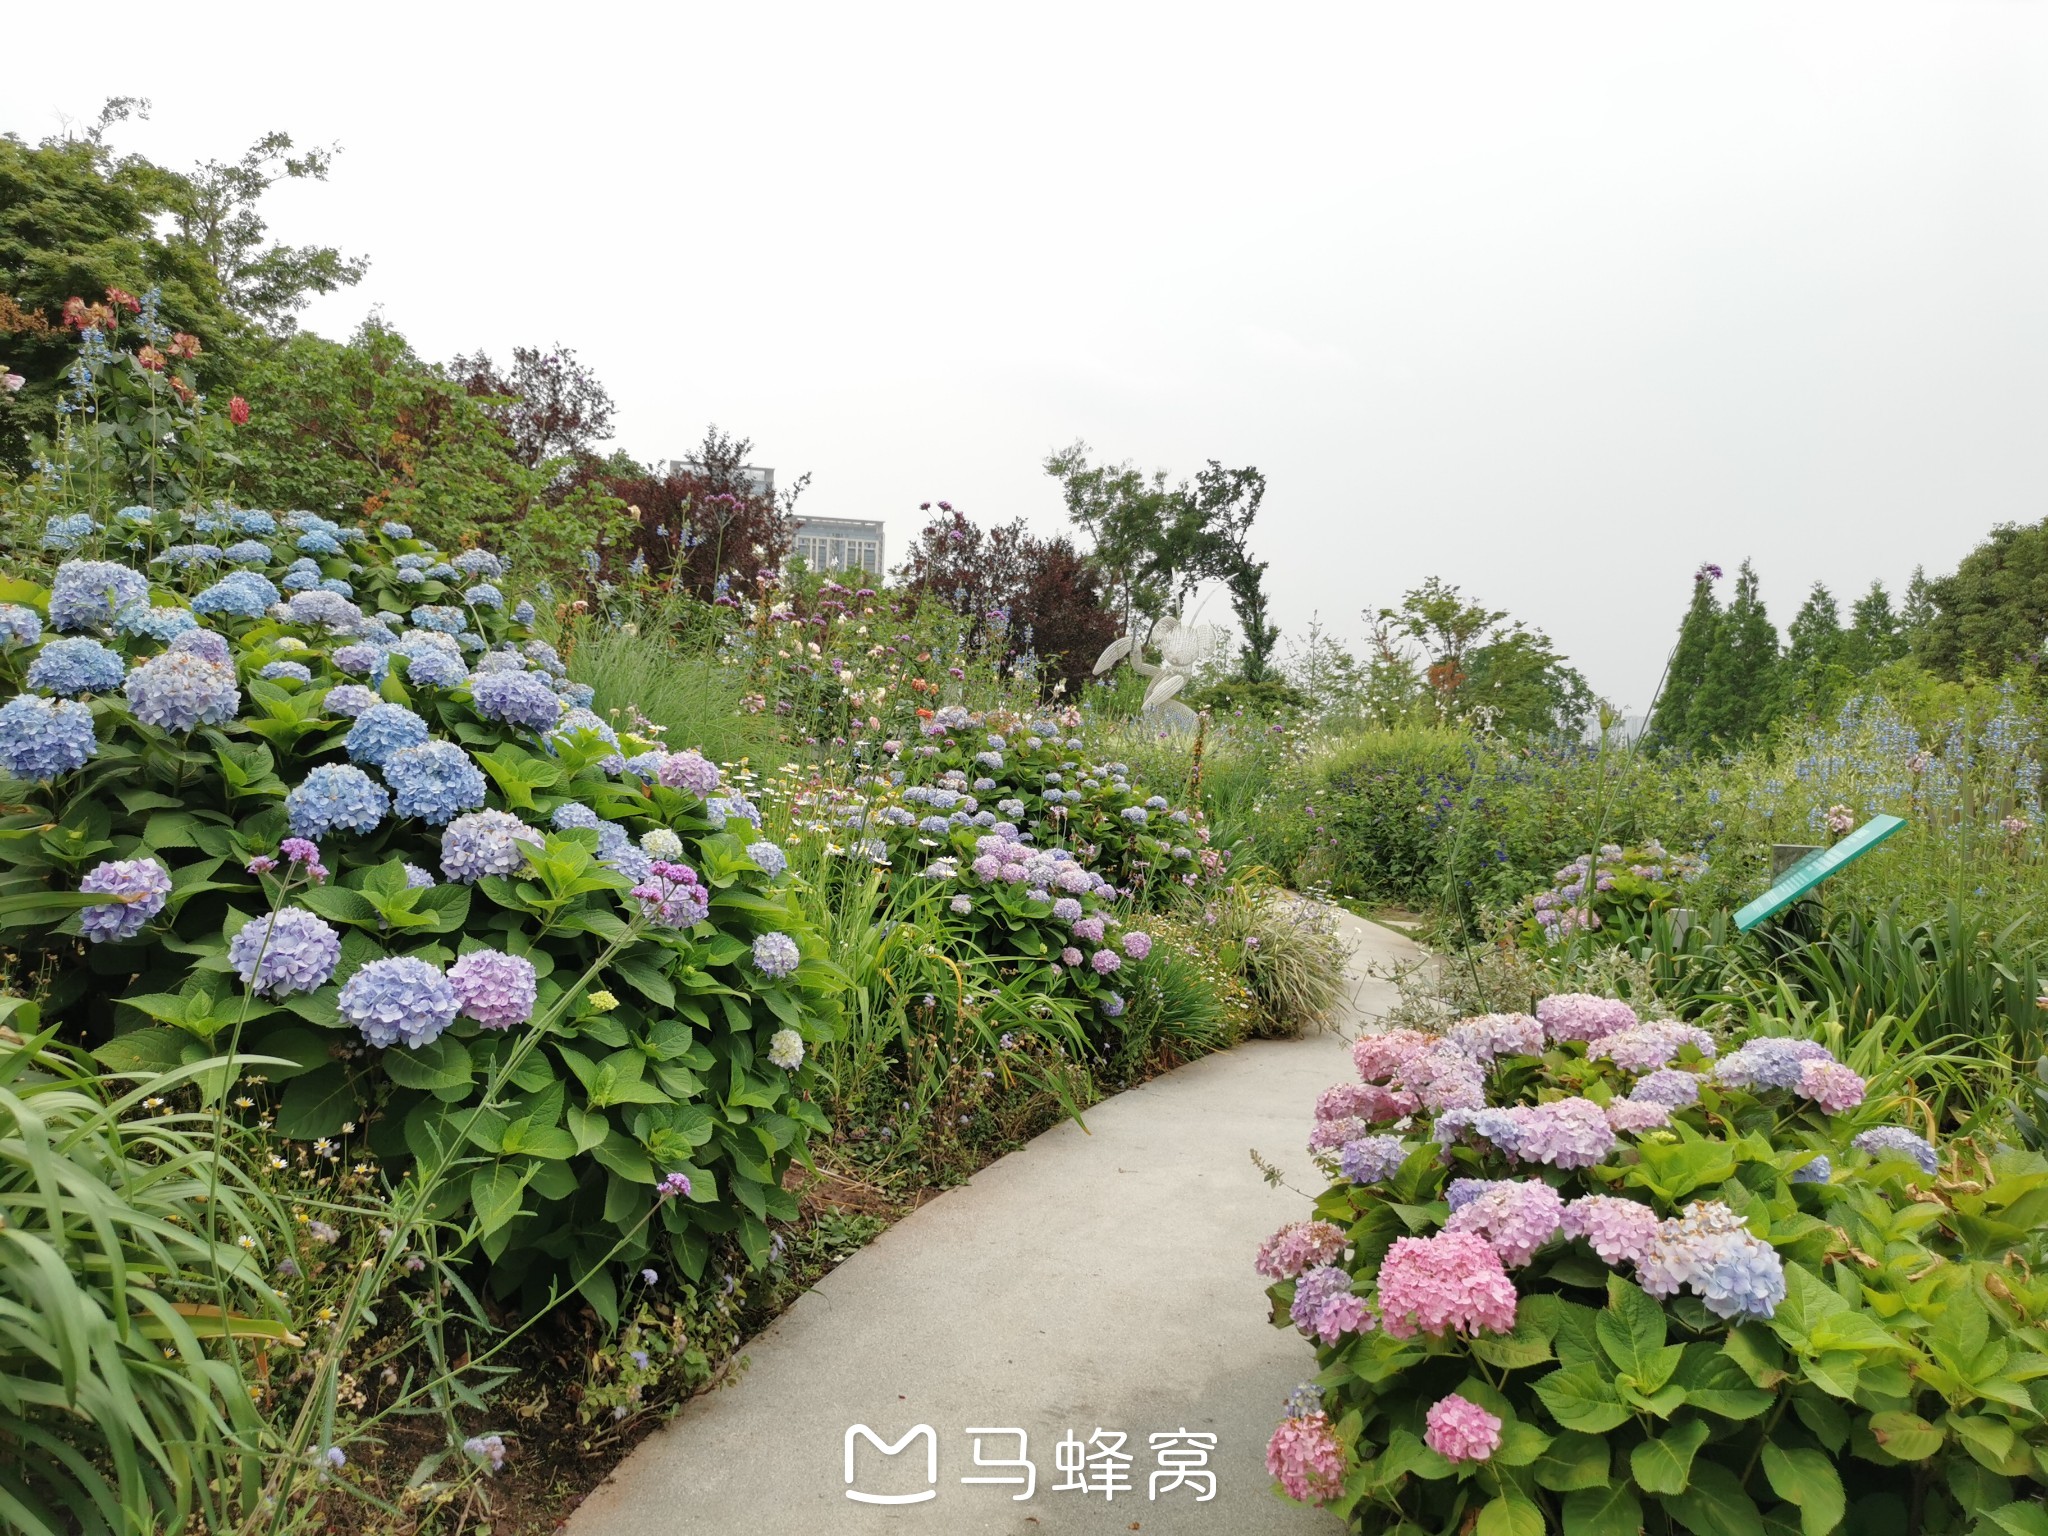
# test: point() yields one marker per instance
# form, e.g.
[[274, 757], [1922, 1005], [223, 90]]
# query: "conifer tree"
[[1738, 696], [1875, 634], [1670, 721], [1814, 646]]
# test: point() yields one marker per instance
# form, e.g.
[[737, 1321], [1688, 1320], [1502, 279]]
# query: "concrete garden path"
[[1097, 1280]]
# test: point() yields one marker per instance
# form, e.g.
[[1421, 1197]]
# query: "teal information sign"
[[1816, 867]]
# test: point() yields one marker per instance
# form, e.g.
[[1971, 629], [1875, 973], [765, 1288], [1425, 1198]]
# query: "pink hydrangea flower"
[[1380, 1057], [1365, 1101], [1443, 1077], [1582, 1016], [1305, 1456], [1638, 1115], [1834, 1087], [1516, 1216], [1620, 1231], [1497, 1034], [1646, 1047], [1458, 1429], [1296, 1246], [1453, 1280]]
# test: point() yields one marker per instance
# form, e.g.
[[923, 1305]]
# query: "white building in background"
[[840, 544]]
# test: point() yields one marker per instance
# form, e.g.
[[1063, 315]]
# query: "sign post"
[[1814, 867]]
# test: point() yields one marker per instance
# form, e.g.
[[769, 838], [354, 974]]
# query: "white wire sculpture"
[[1181, 647]]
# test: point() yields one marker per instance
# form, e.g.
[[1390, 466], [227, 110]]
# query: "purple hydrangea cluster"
[[671, 897], [689, 770], [350, 700], [203, 642], [336, 797], [74, 666], [1710, 1251], [435, 781], [1517, 1216], [1583, 1016], [1372, 1159], [1646, 1047], [1620, 1231], [42, 738], [775, 955], [328, 609], [1104, 961], [140, 887], [1667, 1086], [1896, 1141], [399, 1002], [1769, 1063], [485, 843], [285, 952], [364, 659], [1324, 1307], [180, 689], [515, 698], [86, 594], [1564, 1133], [1491, 1035], [1137, 944], [496, 989]]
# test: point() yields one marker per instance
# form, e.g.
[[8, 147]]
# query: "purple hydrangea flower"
[[497, 990], [689, 770], [1769, 1063], [485, 843], [1137, 945], [1620, 1231], [1516, 1216], [1667, 1086], [671, 897], [203, 642], [140, 888], [350, 700], [402, 1001], [1371, 1159], [289, 951], [515, 698], [775, 955]]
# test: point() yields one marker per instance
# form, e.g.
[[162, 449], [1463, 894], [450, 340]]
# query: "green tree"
[[1738, 695], [1876, 634], [1989, 616], [1480, 667], [1813, 670], [1671, 717]]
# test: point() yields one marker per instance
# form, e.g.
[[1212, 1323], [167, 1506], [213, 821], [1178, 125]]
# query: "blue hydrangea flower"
[[1711, 1251], [19, 625], [140, 888], [296, 671], [350, 699], [319, 542], [395, 530], [136, 517], [1136, 815], [364, 660], [1897, 1141], [249, 520], [185, 557], [1371, 1159], [576, 695], [162, 624], [515, 698], [775, 955], [485, 843], [1770, 1062], [179, 690], [501, 661], [484, 595], [203, 642], [479, 562], [337, 586], [435, 782], [1819, 1171], [66, 533], [440, 618], [86, 594], [399, 1002], [382, 730], [289, 951], [523, 614], [418, 879], [575, 723], [771, 858], [321, 606], [336, 797], [238, 595], [75, 666], [247, 552], [300, 579], [1112, 1005], [574, 814]]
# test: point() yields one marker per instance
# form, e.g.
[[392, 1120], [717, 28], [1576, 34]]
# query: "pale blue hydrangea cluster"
[[1710, 1251], [43, 738], [1896, 1141], [70, 667], [321, 606], [1769, 1063], [495, 989], [418, 879], [381, 731], [775, 955], [181, 689], [19, 625], [140, 888], [203, 642], [484, 595], [350, 700], [336, 797], [430, 666], [573, 814], [479, 563], [286, 952], [392, 529], [515, 698], [771, 858], [65, 533], [86, 594], [1667, 1086], [435, 782], [253, 521], [285, 671], [1819, 1171], [238, 595], [402, 1001], [441, 618], [186, 557], [485, 843], [247, 552], [161, 624], [1371, 1159]]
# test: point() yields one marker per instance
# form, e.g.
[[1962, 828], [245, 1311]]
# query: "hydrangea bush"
[[1624, 883], [321, 795], [1587, 1273]]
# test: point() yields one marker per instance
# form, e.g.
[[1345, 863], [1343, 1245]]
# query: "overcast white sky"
[[1555, 300]]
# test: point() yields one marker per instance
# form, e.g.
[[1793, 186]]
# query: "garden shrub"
[[1587, 1274], [473, 968], [1287, 948], [1627, 886]]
